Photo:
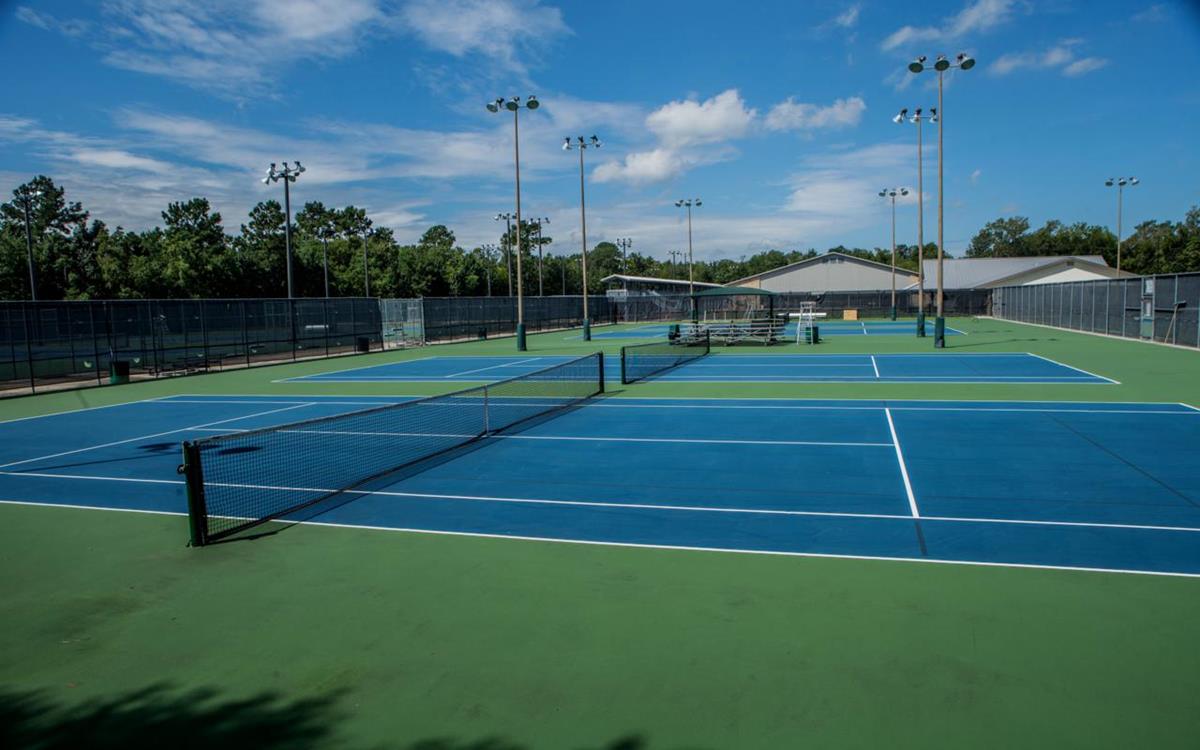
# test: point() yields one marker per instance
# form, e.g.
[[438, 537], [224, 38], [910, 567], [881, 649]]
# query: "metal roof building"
[[637, 285], [986, 273], [831, 272]]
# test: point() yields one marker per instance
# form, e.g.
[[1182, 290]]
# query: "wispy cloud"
[[67, 27], [502, 31], [793, 115], [848, 18], [1061, 57], [1153, 14], [979, 16]]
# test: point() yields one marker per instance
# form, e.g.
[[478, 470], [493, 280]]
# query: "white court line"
[[86, 408], [770, 405], [148, 437], [670, 547], [721, 364], [864, 327], [597, 439], [1069, 367], [875, 366], [492, 367], [912, 500], [618, 505]]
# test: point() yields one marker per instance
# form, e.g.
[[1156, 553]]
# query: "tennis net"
[[641, 361], [240, 480]]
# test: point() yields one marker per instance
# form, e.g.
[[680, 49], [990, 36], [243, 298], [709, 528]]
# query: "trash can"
[[118, 372], [362, 345]]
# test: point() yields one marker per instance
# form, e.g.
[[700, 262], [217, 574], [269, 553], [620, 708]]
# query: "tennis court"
[[828, 328], [991, 367], [1107, 486]]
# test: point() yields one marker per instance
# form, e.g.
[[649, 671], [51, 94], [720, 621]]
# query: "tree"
[[192, 252], [1002, 238]]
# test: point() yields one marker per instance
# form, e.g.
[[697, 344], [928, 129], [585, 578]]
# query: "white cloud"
[[980, 16], [42, 20], [1084, 65], [793, 115], [688, 133], [848, 18], [1153, 14], [844, 185], [975, 176], [496, 29], [689, 123], [642, 167], [1060, 57]]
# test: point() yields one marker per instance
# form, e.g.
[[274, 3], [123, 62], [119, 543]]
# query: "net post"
[[600, 355], [194, 476], [487, 422], [624, 377]]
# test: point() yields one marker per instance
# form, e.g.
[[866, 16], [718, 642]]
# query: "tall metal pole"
[[29, 247], [893, 255], [587, 323], [287, 231], [1120, 202], [541, 282], [920, 232], [939, 324], [366, 270], [325, 257], [508, 240], [691, 281], [520, 284]]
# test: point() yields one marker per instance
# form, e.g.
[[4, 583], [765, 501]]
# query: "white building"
[[831, 272]]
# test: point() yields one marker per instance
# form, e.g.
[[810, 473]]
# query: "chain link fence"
[[465, 318], [67, 344], [1158, 308], [868, 303]]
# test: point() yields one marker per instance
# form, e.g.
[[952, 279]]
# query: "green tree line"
[[192, 254]]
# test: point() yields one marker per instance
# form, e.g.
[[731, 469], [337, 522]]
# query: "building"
[[619, 285], [831, 272], [987, 273]]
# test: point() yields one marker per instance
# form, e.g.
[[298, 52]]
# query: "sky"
[[777, 114]]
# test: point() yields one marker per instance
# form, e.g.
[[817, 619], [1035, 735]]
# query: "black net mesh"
[[240, 480], [645, 360]]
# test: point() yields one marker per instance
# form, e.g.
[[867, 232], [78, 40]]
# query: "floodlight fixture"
[[917, 65], [287, 174]]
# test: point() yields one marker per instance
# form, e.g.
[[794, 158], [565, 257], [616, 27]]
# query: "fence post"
[[245, 335], [95, 347], [28, 346]]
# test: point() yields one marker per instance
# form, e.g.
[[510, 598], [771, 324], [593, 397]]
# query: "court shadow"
[[163, 715], [971, 344]]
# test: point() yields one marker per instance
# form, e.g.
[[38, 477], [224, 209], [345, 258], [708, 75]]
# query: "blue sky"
[[776, 114]]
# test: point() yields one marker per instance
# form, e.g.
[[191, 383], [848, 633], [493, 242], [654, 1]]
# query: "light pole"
[[364, 226], [583, 144], [325, 232], [1120, 182], [689, 202], [538, 222], [289, 175], [892, 193], [514, 105], [941, 65], [488, 251], [674, 255], [506, 246], [918, 117], [27, 197], [624, 243]]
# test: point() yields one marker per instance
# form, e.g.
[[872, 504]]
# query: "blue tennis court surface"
[[828, 328], [758, 368], [1109, 486]]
